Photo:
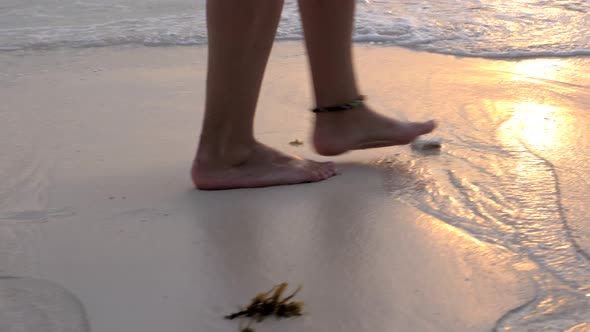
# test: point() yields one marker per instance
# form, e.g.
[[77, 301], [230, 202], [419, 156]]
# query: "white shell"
[[427, 143]]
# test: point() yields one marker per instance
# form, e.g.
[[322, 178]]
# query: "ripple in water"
[[497, 187]]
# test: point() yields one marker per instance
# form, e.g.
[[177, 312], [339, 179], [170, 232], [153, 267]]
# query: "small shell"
[[427, 143]]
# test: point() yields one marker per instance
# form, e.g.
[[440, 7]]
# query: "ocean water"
[[518, 177], [481, 28]]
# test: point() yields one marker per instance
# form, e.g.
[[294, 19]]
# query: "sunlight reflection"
[[526, 266], [532, 129], [532, 124], [538, 68]]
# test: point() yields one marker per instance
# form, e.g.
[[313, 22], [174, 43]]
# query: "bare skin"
[[262, 167], [363, 128], [241, 34]]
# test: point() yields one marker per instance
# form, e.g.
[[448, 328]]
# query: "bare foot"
[[362, 128], [260, 166]]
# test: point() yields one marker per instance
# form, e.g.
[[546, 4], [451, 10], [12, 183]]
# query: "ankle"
[[226, 154], [353, 104], [343, 117]]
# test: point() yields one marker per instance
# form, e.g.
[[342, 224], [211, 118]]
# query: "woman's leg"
[[241, 35], [328, 26]]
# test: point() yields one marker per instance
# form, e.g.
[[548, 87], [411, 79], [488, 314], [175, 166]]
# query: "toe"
[[425, 127], [332, 170], [321, 171], [330, 173], [326, 173], [328, 168], [312, 171]]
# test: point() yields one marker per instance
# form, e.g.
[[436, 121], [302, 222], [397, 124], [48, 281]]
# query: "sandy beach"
[[100, 223]]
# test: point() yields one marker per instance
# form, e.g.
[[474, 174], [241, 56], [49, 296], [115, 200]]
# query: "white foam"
[[467, 28]]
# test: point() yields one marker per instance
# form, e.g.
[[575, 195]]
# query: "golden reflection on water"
[[538, 68], [535, 121], [534, 117], [530, 131], [532, 124]]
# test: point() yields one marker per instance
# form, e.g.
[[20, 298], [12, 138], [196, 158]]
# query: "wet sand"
[[96, 195]]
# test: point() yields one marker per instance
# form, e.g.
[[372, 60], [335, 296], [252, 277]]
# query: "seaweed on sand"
[[270, 304]]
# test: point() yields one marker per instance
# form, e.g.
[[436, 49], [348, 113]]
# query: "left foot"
[[361, 128], [256, 166]]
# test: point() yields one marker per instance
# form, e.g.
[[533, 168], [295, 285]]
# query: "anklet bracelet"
[[342, 107]]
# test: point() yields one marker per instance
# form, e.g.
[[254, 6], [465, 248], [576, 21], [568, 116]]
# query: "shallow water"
[[484, 28], [518, 177]]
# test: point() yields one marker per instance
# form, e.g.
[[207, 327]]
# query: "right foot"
[[362, 128], [260, 166]]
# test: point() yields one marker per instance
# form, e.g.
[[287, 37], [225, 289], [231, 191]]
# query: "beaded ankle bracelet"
[[342, 107]]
